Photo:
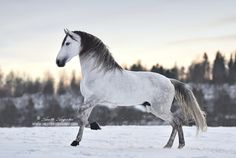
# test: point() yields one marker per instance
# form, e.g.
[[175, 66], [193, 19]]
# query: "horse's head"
[[70, 47]]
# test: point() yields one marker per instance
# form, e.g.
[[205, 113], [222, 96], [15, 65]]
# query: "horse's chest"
[[92, 89], [86, 88]]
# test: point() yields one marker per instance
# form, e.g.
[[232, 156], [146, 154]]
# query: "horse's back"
[[152, 79]]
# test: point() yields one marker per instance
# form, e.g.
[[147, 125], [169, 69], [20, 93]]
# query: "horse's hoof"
[[95, 126], [75, 143], [181, 146], [167, 146]]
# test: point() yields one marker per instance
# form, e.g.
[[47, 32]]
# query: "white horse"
[[104, 82]]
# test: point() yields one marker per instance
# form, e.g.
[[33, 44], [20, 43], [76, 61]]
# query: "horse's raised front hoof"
[[75, 143], [95, 126], [181, 146]]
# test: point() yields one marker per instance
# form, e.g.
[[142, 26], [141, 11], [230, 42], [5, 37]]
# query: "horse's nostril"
[[57, 62]]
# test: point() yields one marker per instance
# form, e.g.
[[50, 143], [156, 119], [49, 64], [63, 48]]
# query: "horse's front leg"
[[83, 118]]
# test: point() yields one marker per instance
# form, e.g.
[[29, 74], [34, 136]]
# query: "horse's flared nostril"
[[57, 62]]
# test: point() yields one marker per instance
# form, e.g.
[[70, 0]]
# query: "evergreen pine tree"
[[48, 88], [206, 68], [9, 115], [53, 109], [75, 84], [137, 67], [61, 89], [219, 69], [29, 114], [232, 71], [182, 74]]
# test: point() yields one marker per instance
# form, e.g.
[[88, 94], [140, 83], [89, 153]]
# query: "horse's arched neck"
[[88, 68], [91, 70]]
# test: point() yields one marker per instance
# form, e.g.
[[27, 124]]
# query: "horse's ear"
[[66, 31], [71, 34]]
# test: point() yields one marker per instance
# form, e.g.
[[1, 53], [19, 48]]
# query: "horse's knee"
[[83, 120], [83, 115]]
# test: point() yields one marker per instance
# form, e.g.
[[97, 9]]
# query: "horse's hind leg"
[[181, 137], [177, 123], [176, 127], [168, 117], [172, 138]]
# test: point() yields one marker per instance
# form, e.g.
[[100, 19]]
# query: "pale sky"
[[167, 32]]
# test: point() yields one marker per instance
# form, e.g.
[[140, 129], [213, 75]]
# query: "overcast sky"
[[167, 32]]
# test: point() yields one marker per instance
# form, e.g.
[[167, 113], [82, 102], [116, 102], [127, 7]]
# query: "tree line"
[[15, 85], [220, 72]]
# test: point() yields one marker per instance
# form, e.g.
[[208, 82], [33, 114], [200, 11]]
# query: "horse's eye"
[[67, 43]]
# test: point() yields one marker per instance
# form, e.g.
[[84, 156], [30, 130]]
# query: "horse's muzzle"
[[60, 63]]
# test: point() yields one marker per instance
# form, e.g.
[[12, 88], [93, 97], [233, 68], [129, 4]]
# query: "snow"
[[115, 141]]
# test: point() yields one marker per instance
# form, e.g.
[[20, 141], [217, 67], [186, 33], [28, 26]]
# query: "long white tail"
[[189, 105]]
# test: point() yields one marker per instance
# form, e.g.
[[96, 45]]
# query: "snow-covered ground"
[[115, 141]]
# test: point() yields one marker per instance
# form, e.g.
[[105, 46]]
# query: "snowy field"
[[115, 141]]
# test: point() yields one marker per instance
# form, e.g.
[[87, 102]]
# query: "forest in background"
[[25, 101]]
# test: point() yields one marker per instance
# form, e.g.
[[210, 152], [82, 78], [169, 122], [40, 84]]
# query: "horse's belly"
[[127, 99], [130, 95]]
